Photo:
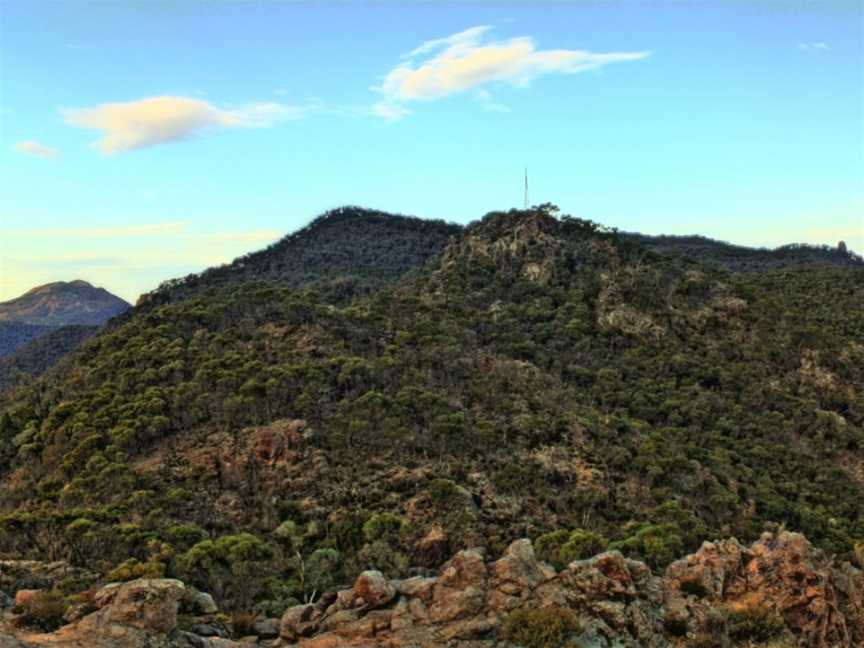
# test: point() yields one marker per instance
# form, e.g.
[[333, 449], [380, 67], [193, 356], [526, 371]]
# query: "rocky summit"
[[61, 303], [777, 592]]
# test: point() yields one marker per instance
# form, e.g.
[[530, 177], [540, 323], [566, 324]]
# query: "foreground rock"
[[778, 592], [138, 614]]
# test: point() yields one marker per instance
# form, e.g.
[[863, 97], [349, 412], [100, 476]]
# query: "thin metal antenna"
[[526, 188]]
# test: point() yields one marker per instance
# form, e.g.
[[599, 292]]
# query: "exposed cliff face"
[[778, 592]]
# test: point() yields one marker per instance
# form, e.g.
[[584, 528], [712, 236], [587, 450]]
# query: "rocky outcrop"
[[471, 598], [781, 577], [139, 614], [778, 592]]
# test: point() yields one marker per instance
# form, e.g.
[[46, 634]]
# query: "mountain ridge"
[[541, 377]]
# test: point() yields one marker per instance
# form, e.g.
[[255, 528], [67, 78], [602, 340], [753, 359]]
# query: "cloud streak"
[[35, 148], [126, 126], [813, 47], [468, 60], [149, 229]]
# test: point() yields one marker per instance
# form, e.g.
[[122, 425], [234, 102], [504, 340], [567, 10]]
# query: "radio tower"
[[526, 188]]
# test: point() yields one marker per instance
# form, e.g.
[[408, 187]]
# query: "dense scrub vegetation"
[[542, 377], [40, 354], [14, 335]]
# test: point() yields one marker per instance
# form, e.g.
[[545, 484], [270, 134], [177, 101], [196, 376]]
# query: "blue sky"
[[141, 141]]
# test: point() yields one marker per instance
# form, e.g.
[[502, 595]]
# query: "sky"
[[141, 141]]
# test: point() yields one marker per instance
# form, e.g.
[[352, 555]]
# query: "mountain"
[[63, 303], [45, 323], [267, 439], [343, 253]]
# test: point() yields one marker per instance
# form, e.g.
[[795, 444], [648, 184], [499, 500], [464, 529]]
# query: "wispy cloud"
[[468, 60], [149, 229], [813, 47], [35, 148], [130, 125], [488, 103], [390, 111]]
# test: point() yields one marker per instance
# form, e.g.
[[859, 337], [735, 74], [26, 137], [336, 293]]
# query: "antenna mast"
[[526, 188]]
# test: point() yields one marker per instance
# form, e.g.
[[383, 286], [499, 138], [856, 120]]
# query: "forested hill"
[[739, 258], [540, 377], [345, 252]]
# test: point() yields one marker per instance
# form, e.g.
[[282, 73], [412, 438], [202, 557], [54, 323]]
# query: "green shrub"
[[443, 492], [544, 628], [384, 526], [561, 547], [74, 584], [132, 569]]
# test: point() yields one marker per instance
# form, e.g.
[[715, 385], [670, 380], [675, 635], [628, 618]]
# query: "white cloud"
[[462, 61], [148, 229], [130, 125], [813, 47], [35, 148]]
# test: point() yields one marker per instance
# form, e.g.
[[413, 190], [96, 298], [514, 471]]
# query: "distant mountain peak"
[[62, 303]]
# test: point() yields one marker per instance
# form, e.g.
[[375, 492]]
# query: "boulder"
[[147, 604], [266, 628], [196, 602], [373, 589]]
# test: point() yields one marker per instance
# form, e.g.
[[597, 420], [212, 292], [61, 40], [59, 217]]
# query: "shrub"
[[693, 588], [675, 626], [443, 492], [754, 621], [384, 526], [44, 610], [243, 623], [561, 547], [544, 628], [132, 568], [74, 584]]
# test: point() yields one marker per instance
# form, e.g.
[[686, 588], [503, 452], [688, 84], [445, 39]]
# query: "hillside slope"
[[739, 258], [540, 378], [16, 334], [34, 358]]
